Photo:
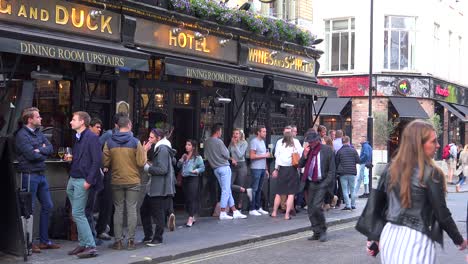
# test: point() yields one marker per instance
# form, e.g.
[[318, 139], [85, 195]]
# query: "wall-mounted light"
[[220, 99], [305, 62], [245, 6], [286, 105], [95, 14], [224, 42], [176, 31], [274, 54], [199, 36]]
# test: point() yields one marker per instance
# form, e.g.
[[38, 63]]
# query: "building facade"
[[419, 56]]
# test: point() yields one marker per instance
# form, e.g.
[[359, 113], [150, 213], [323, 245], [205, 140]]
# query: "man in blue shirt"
[[365, 157]]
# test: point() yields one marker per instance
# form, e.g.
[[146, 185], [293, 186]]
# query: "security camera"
[[222, 100], [286, 105]]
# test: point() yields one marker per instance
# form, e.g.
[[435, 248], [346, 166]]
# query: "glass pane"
[[327, 25], [404, 51], [386, 49], [352, 23], [352, 49], [344, 51], [183, 98], [327, 51], [387, 21], [340, 24], [398, 22], [394, 48], [335, 63]]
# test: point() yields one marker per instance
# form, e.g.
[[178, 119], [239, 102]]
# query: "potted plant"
[[181, 6], [251, 22], [383, 128]]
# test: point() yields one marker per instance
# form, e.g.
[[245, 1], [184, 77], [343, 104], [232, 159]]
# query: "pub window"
[[184, 98], [152, 110], [52, 98], [211, 113], [339, 42], [399, 41]]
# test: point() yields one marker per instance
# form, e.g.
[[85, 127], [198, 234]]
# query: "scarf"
[[312, 156]]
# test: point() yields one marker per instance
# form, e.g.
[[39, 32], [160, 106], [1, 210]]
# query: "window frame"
[[388, 30], [351, 30]]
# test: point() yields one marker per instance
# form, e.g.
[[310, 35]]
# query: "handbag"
[[295, 158], [372, 220]]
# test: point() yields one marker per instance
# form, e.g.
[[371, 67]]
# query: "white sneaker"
[[254, 212], [224, 216], [238, 215], [249, 193], [263, 212]]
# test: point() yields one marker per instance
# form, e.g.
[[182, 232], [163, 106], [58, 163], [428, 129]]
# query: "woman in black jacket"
[[416, 209]]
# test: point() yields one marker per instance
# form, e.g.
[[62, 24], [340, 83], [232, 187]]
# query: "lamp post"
[[370, 118]]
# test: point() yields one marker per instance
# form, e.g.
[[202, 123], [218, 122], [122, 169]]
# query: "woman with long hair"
[[287, 174], [416, 210], [464, 164], [192, 166], [238, 150]]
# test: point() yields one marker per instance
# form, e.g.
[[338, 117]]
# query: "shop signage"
[[302, 89], [180, 40], [404, 87], [280, 61], [70, 54], [62, 16], [441, 91]]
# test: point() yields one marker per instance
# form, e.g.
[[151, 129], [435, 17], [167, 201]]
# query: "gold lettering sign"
[[188, 41], [62, 15], [216, 76], [54, 52], [294, 64]]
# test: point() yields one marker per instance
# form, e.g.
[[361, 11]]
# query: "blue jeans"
[[362, 177], [40, 188], [223, 174], [257, 184], [78, 198], [347, 186]]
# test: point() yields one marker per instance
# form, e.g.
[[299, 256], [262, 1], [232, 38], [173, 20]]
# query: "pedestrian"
[[125, 157], [338, 141], [318, 161], [451, 161], [218, 157], [161, 190], [322, 131], [333, 196], [346, 160], [464, 168], [239, 181], [417, 211], [191, 164], [86, 161], [287, 175], [95, 126], [364, 158], [32, 149], [258, 169], [332, 134]]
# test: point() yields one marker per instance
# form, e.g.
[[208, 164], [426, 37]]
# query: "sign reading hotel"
[[62, 16], [280, 61], [177, 39]]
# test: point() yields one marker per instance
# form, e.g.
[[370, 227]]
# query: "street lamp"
[[370, 118]]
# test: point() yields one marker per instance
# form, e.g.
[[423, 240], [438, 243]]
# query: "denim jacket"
[[192, 164]]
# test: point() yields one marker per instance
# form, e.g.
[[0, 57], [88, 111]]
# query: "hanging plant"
[[181, 6]]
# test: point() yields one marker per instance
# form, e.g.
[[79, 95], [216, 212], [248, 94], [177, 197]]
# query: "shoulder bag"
[[295, 158]]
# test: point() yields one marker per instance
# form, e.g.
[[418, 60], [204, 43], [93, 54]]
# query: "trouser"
[[314, 206], [125, 195], [39, 187], [257, 185], [155, 208], [347, 184], [78, 197], [89, 210], [223, 174], [106, 205], [240, 179], [191, 185], [363, 177]]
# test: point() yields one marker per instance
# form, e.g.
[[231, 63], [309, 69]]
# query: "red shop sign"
[[441, 91]]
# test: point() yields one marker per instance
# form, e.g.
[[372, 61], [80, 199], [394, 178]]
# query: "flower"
[[182, 6], [252, 22]]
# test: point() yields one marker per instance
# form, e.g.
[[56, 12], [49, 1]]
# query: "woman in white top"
[[288, 177]]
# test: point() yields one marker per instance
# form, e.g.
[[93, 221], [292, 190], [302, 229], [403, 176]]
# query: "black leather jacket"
[[428, 213]]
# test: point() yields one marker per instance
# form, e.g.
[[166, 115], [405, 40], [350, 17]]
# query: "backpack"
[[446, 152]]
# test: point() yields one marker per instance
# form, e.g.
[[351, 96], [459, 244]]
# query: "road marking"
[[256, 245]]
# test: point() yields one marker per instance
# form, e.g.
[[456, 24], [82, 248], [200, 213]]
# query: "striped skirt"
[[401, 245]]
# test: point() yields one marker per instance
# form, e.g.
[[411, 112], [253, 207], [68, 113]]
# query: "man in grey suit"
[[319, 163]]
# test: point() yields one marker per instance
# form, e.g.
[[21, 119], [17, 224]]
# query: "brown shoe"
[[49, 245], [35, 249], [292, 212], [77, 250], [131, 244], [117, 245], [88, 252], [171, 223]]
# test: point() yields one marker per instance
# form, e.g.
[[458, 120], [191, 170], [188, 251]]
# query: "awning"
[[453, 110], [203, 71], [408, 107], [303, 87], [332, 106], [40, 43], [462, 109]]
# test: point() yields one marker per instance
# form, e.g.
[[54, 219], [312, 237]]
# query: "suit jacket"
[[87, 158], [327, 164]]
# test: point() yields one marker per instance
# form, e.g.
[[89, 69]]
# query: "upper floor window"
[[339, 44], [399, 41]]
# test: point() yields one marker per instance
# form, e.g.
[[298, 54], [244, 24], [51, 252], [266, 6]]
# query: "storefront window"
[[152, 110], [211, 114], [53, 100]]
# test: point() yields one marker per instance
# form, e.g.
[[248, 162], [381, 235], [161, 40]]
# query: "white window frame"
[[411, 44], [328, 39], [436, 49]]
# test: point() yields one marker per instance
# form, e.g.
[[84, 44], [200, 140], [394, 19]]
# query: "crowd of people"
[[322, 172]]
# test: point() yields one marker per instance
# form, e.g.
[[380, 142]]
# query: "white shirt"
[[319, 176], [283, 154]]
